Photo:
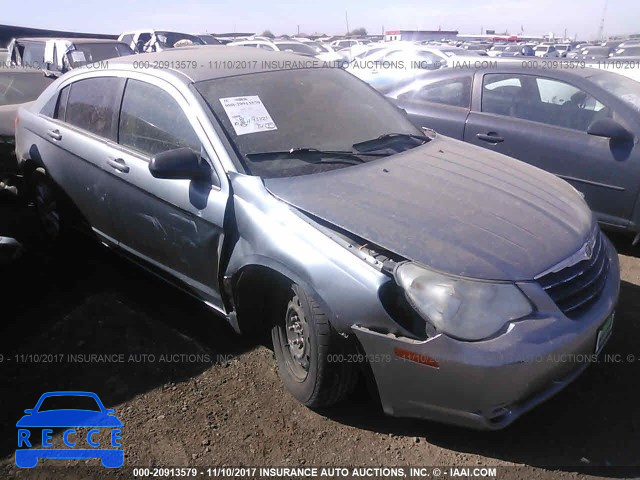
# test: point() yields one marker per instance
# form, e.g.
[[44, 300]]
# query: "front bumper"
[[489, 384]]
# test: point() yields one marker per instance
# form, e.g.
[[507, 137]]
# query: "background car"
[[156, 40], [208, 39], [627, 51], [18, 85], [582, 125], [58, 55], [546, 51]]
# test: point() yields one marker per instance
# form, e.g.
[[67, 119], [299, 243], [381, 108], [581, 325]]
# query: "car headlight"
[[462, 308]]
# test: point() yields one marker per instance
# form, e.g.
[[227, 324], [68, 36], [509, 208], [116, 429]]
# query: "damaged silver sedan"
[[298, 200]]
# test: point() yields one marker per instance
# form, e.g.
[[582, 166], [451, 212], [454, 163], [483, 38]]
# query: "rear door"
[[543, 121], [77, 130], [175, 227], [442, 105]]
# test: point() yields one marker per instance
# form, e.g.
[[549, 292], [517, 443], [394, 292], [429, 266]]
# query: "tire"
[[306, 368], [50, 206]]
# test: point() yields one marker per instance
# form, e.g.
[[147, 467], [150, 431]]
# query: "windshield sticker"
[[78, 56], [247, 114]]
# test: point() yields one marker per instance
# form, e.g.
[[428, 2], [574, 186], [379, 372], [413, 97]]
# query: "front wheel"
[[310, 354]]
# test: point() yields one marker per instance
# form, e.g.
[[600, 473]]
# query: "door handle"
[[491, 137], [118, 164], [55, 134]]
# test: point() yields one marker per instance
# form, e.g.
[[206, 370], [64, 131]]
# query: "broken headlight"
[[462, 308]]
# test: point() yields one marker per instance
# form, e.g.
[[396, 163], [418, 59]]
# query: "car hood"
[[454, 207]]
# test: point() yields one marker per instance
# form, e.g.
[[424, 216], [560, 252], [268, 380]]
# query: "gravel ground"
[[192, 393]]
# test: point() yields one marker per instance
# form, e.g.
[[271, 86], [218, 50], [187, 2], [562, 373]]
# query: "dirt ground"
[[192, 393]]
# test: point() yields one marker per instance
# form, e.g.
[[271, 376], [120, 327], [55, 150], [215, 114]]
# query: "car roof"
[[69, 39], [240, 61], [510, 66]]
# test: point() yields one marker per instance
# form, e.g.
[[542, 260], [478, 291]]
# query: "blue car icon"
[[77, 446]]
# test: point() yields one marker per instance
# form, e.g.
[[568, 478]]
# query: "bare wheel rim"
[[297, 351], [47, 208]]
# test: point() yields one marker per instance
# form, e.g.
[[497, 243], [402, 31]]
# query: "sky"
[[536, 17]]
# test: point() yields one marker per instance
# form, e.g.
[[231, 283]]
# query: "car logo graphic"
[[77, 445]]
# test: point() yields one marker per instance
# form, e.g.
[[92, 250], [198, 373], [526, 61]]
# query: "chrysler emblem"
[[585, 253], [588, 250]]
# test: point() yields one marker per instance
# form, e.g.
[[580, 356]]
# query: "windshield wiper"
[[376, 143], [352, 156]]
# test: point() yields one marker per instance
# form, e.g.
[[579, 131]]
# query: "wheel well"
[[259, 296]]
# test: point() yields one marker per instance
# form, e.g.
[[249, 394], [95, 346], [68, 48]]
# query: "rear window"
[[85, 53], [21, 87], [93, 105]]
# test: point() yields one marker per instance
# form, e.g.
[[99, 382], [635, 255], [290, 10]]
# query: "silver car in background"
[[300, 201]]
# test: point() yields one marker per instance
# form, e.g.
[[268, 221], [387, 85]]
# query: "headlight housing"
[[462, 308]]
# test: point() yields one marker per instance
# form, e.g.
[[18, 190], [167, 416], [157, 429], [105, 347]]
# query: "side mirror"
[[178, 164], [609, 128], [29, 411]]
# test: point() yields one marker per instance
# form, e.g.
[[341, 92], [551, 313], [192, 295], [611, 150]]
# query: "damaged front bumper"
[[488, 384]]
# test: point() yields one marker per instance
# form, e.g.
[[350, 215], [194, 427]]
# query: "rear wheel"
[[311, 356], [49, 205]]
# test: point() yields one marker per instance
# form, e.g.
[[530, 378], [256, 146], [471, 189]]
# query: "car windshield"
[[629, 51], [451, 52], [95, 52], [316, 47], [624, 88], [209, 39], [21, 87], [169, 39], [296, 48], [69, 402], [512, 48], [323, 109]]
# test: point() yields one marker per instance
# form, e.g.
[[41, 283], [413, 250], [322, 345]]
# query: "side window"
[[143, 38], [542, 100], [61, 109], [151, 121], [455, 93], [33, 55], [127, 38], [49, 109], [565, 105], [93, 105], [499, 92]]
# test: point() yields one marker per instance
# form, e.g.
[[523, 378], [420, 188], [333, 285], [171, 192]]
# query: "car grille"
[[575, 288]]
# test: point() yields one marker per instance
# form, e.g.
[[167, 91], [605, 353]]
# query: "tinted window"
[[93, 105], [456, 92], [152, 122], [543, 100], [499, 92]]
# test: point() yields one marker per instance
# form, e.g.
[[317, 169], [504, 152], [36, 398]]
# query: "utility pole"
[[601, 29], [346, 17], [298, 30]]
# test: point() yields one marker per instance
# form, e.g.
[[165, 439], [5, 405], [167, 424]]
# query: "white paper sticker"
[[247, 114], [78, 56]]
